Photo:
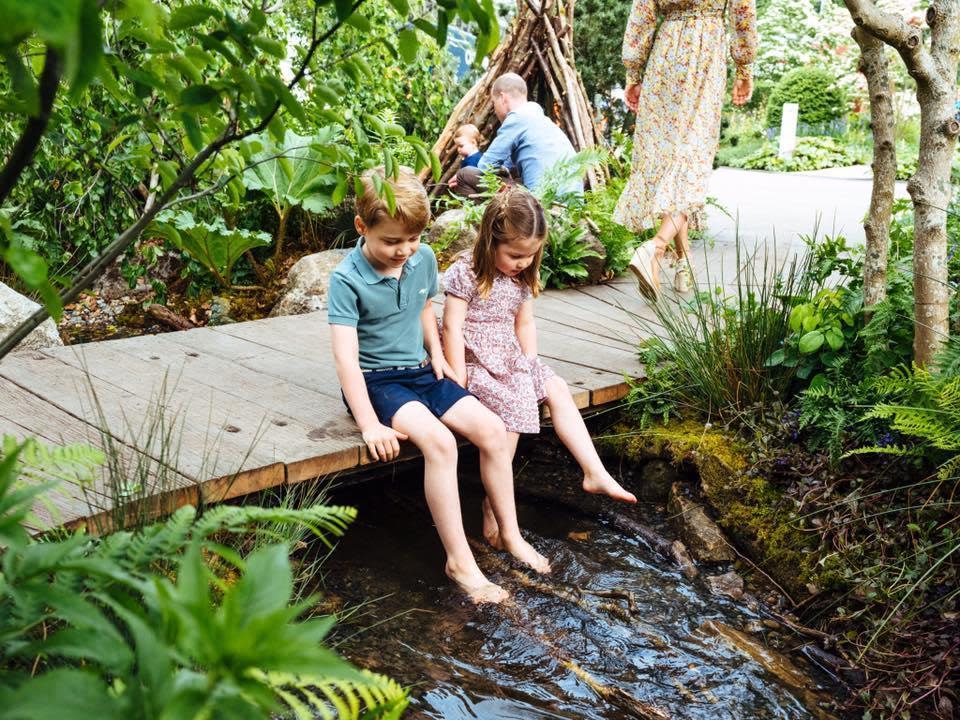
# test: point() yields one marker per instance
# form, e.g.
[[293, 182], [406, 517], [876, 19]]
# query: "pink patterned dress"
[[681, 66], [498, 373]]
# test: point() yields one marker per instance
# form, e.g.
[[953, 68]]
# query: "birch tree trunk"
[[935, 71], [873, 64]]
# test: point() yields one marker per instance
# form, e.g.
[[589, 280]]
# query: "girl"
[[490, 340]]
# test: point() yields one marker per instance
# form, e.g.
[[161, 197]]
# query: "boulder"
[[730, 585], [308, 282], [656, 478], [700, 534], [14, 309], [451, 233]]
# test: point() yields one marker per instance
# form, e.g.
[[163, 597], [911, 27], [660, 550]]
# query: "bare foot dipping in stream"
[[475, 584], [602, 483], [520, 549]]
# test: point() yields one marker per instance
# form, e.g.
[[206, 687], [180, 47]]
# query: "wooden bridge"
[[253, 405]]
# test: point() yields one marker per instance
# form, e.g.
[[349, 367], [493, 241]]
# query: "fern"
[[38, 462], [347, 699]]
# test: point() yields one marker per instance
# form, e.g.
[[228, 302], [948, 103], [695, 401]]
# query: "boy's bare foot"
[[491, 531], [476, 586], [604, 484], [524, 552]]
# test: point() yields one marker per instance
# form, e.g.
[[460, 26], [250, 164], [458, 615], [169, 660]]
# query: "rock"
[[596, 266], [220, 311], [729, 585], [112, 285], [700, 534], [451, 233], [14, 309], [682, 558], [754, 627], [656, 478], [308, 282]]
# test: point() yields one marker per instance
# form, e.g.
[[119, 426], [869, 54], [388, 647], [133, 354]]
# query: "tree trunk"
[[935, 71], [873, 64]]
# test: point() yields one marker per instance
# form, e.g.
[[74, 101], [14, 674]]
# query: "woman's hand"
[[632, 96], [742, 89]]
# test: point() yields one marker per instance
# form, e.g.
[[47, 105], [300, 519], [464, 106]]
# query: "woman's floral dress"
[[498, 373], [682, 68]]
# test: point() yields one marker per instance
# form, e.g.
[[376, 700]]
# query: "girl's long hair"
[[513, 213]]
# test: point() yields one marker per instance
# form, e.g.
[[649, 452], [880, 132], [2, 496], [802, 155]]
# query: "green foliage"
[[161, 115], [815, 89], [564, 255], [618, 242], [597, 43], [168, 622], [213, 244], [811, 153]]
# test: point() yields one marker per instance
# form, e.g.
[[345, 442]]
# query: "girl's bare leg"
[[439, 449], [491, 531], [485, 430], [573, 433]]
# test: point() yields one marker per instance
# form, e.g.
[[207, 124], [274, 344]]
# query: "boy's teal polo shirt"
[[385, 311]]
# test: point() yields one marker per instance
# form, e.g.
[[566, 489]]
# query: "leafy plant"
[[814, 89], [565, 254], [811, 153], [212, 244], [139, 625]]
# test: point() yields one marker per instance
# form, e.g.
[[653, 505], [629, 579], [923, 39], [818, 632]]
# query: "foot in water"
[[604, 484], [476, 586], [491, 531], [524, 552]]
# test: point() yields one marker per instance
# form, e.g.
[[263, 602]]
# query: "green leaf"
[[270, 46], [360, 22], [344, 9], [198, 95], [190, 15], [23, 82], [401, 6], [85, 53], [46, 696], [834, 338], [192, 128], [28, 265], [811, 342], [408, 45], [776, 358], [286, 97]]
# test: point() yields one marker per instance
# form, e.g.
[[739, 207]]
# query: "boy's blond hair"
[[469, 130], [412, 207]]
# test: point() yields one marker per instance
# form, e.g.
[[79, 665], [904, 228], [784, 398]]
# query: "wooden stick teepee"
[[539, 48]]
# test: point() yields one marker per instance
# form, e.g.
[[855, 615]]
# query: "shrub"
[[811, 153], [815, 89]]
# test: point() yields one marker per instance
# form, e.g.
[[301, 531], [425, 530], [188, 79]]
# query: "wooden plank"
[[315, 433]]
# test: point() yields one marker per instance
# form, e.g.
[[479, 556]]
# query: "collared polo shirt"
[[384, 310]]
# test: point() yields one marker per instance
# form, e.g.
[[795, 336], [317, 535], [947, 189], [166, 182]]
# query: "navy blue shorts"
[[389, 390]]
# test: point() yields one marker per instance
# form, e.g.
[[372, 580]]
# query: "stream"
[[553, 650]]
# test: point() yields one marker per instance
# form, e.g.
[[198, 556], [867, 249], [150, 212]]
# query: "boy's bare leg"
[[485, 430], [439, 449], [573, 433], [491, 531]]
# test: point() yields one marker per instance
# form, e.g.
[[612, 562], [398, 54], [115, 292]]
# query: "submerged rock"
[[14, 309], [701, 535], [308, 282], [729, 585]]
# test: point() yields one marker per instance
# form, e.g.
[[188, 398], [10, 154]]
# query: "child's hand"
[[441, 368], [382, 442]]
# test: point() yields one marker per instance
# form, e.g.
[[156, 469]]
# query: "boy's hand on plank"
[[383, 442]]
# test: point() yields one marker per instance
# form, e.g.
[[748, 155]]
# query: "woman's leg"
[[485, 430], [491, 531], [439, 449], [668, 230], [573, 433]]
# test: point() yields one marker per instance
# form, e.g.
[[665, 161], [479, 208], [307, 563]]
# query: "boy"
[[395, 379], [467, 141]]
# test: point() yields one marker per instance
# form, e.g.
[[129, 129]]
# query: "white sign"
[[788, 130]]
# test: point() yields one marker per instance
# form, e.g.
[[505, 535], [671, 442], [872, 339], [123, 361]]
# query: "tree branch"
[[893, 30], [23, 152]]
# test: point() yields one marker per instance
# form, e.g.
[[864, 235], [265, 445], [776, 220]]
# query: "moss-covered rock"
[[754, 513]]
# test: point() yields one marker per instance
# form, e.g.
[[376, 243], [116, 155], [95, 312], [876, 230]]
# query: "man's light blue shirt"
[[529, 141], [384, 310]]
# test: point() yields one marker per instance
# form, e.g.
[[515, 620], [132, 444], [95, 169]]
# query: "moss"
[[754, 513]]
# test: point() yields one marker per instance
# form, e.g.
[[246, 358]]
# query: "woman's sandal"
[[641, 264]]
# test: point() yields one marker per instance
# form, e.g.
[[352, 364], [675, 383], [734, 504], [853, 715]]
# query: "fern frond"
[[71, 463], [322, 520], [899, 450], [367, 695], [152, 544]]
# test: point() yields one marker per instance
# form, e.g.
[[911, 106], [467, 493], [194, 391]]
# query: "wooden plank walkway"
[[255, 405]]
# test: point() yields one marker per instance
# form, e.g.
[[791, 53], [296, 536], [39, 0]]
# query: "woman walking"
[[676, 78]]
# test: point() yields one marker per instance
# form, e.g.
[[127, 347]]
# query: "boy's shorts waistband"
[[423, 364]]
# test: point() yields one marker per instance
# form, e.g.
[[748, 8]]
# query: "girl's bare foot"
[[491, 531], [604, 484], [524, 552], [476, 586]]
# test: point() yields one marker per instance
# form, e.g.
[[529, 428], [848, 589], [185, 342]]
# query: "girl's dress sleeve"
[[638, 38], [459, 281], [743, 45]]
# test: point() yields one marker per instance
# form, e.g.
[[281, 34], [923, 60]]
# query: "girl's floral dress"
[[682, 68], [498, 373]]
